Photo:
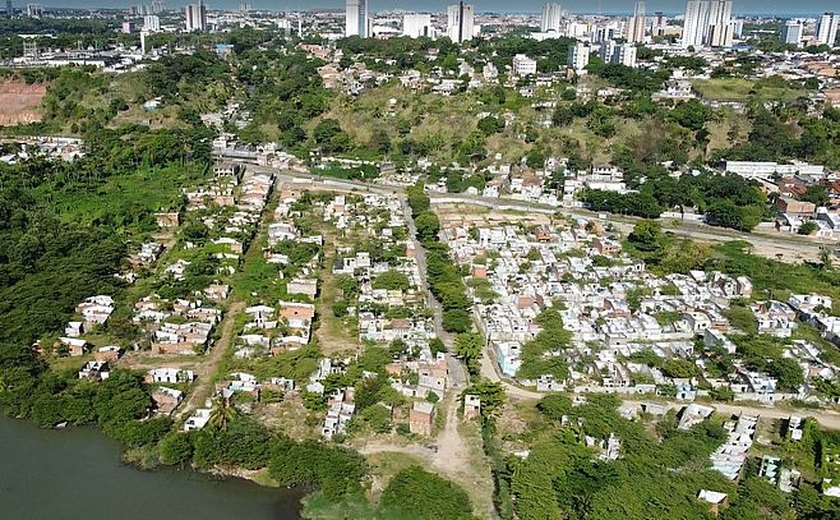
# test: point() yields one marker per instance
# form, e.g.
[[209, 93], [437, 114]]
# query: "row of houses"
[[616, 310]]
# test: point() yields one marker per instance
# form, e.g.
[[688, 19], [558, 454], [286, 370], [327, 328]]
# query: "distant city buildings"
[[552, 17], [708, 23], [827, 29], [196, 17], [34, 10], [660, 24], [460, 22], [417, 25], [357, 20], [151, 23]]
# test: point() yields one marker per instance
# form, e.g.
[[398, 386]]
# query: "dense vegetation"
[[656, 477], [416, 493], [727, 200]]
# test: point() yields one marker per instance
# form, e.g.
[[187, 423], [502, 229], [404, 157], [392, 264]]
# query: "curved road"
[[826, 419]]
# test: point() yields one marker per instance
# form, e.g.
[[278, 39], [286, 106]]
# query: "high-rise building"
[[607, 50], [578, 57], [739, 28], [792, 32], [635, 30], [196, 17], [151, 23], [660, 23], [721, 30], [356, 17], [827, 29], [524, 66], [621, 54], [417, 25], [552, 18], [625, 54], [460, 22], [34, 10], [708, 22], [157, 7], [694, 25], [10, 8]]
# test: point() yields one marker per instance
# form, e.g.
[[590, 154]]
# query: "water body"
[[77, 474]]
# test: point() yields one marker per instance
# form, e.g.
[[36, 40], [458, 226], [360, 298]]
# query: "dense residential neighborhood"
[[426, 265]]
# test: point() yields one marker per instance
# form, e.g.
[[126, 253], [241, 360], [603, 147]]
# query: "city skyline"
[[813, 8]]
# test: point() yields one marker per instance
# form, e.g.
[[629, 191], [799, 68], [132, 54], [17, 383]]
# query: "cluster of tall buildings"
[[552, 18], [460, 24], [156, 7], [709, 23]]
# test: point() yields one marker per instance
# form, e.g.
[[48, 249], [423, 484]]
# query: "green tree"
[[428, 226], [176, 449], [416, 493], [647, 236], [469, 346], [223, 413]]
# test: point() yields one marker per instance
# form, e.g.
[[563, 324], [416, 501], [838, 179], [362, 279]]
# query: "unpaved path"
[[207, 369]]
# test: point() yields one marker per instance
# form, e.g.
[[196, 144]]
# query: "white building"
[[636, 26], [196, 17], [552, 17], [623, 54], [524, 66], [579, 57], [754, 169], [792, 32], [418, 25], [151, 23], [460, 22], [694, 26], [827, 29], [708, 22], [721, 30], [356, 18]]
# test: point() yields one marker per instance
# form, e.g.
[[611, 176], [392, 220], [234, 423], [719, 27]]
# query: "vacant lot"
[[20, 103]]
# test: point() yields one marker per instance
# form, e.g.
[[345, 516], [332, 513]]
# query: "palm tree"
[[223, 413]]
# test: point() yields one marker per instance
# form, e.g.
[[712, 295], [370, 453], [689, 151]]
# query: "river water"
[[77, 474]]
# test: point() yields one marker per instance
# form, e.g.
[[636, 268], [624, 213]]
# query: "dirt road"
[[205, 370]]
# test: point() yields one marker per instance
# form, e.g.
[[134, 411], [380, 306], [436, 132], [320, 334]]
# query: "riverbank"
[[78, 473]]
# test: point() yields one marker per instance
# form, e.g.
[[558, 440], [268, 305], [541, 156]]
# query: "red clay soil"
[[20, 103]]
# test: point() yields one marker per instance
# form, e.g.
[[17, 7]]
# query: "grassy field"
[[739, 89]]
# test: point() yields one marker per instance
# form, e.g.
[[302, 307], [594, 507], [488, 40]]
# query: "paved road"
[[826, 419]]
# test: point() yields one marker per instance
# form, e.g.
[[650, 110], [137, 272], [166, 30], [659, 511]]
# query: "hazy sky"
[[781, 7]]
